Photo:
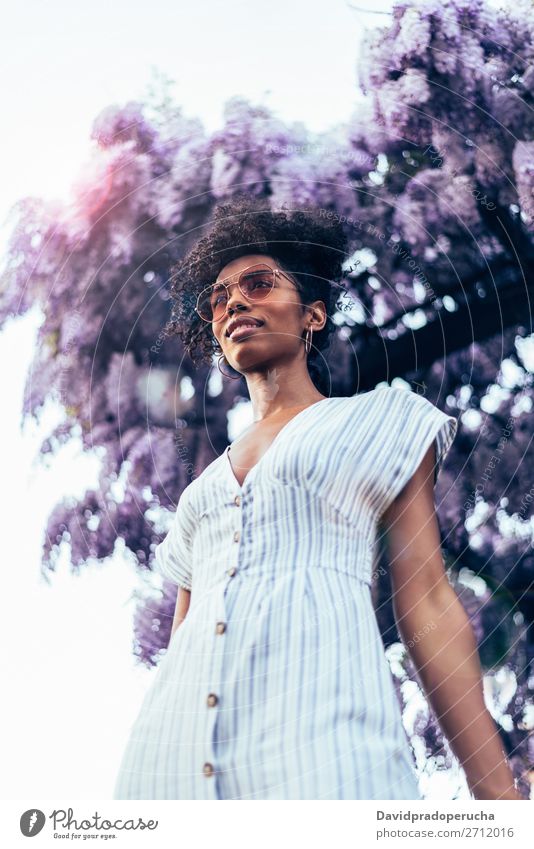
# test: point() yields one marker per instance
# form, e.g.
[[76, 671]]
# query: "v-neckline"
[[278, 435]]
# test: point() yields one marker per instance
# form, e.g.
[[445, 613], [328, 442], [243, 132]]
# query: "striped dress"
[[276, 684]]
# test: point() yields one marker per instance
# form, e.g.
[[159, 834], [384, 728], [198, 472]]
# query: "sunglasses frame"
[[276, 271]]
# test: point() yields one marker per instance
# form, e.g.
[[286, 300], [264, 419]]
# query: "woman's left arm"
[[438, 635]]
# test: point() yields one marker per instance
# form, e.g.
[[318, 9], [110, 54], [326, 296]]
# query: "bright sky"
[[67, 60], [75, 688]]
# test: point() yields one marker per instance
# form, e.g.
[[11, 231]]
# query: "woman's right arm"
[[183, 600]]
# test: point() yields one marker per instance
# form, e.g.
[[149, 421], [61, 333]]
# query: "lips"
[[247, 323]]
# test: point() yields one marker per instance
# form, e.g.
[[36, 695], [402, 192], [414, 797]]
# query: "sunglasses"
[[256, 282]]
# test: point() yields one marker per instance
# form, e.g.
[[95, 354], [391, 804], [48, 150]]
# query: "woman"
[[275, 684]]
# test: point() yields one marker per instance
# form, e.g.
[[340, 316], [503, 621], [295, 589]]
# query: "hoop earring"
[[223, 372], [308, 340]]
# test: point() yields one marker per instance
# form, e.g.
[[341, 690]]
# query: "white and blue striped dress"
[[276, 684]]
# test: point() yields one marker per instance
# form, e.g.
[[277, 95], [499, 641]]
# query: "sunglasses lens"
[[212, 302], [255, 284]]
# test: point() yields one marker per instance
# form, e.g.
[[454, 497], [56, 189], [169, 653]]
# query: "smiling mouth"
[[244, 331]]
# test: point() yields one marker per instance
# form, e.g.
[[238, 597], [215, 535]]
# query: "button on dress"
[[276, 684]]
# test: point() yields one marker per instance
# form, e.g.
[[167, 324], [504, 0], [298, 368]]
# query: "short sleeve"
[[173, 556], [410, 424]]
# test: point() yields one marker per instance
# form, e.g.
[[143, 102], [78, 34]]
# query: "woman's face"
[[283, 319]]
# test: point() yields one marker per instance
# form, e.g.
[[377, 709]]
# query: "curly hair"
[[306, 244]]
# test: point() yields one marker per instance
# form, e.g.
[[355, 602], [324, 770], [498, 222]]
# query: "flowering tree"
[[433, 177], [450, 88]]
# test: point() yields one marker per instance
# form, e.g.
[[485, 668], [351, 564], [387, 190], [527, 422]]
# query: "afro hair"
[[305, 242]]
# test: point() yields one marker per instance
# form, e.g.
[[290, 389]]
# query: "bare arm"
[[183, 600], [446, 655]]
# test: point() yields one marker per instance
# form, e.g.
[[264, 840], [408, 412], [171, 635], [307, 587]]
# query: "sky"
[[76, 688], [68, 60]]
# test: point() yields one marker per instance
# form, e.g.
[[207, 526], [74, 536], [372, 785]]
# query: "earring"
[[308, 340], [223, 372]]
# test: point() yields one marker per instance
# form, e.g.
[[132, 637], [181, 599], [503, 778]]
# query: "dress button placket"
[[212, 702]]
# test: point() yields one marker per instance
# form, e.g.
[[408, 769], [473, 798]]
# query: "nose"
[[235, 297]]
